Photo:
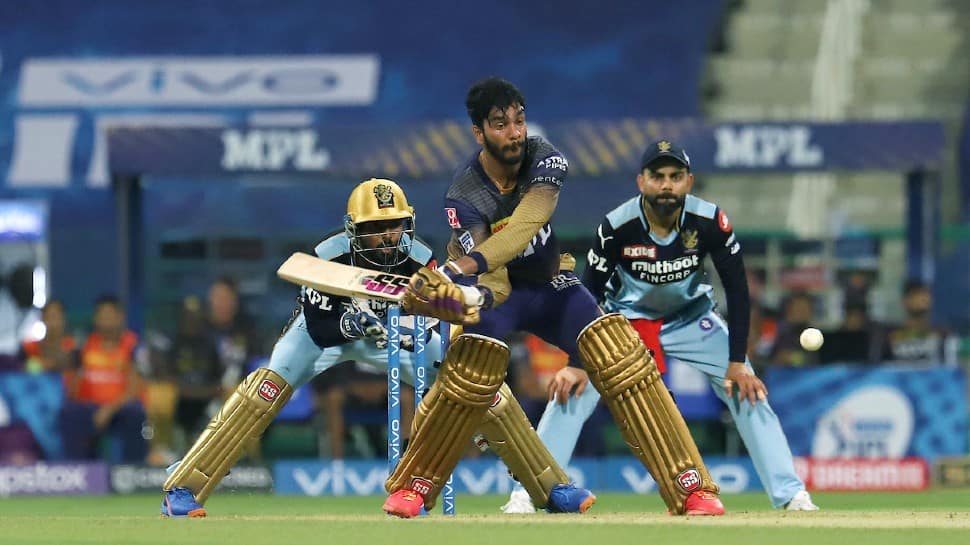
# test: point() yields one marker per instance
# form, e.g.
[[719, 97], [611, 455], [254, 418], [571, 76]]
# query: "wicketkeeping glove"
[[363, 325]]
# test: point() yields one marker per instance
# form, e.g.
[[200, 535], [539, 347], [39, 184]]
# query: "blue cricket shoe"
[[180, 502], [568, 498]]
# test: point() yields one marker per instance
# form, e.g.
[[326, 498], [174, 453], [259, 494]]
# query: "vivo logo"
[[201, 81], [766, 146], [340, 480], [273, 150]]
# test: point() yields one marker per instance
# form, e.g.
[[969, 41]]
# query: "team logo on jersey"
[[723, 222], [453, 218], [467, 241], [706, 324], [663, 145], [640, 250], [385, 196], [689, 238]]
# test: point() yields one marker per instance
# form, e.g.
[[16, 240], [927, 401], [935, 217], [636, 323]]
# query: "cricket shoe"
[[568, 498], [404, 503], [702, 502], [801, 501], [180, 502], [519, 504]]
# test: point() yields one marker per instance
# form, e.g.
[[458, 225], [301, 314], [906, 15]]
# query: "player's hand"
[[363, 325], [432, 293], [748, 385], [102, 417], [563, 383]]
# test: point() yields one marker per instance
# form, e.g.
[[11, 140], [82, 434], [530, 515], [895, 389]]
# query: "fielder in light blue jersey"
[[646, 262], [378, 234]]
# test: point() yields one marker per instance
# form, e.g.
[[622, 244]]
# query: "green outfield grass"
[[237, 519]]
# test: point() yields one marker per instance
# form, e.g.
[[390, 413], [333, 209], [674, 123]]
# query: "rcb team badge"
[[385, 196]]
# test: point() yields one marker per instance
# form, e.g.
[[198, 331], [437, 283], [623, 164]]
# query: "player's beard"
[[665, 204], [506, 154]]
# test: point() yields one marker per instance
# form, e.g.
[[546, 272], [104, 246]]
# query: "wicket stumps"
[[420, 387]]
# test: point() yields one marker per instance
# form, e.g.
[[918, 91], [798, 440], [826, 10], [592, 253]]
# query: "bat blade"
[[339, 279]]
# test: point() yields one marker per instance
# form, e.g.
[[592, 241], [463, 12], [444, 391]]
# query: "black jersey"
[[476, 209], [323, 310]]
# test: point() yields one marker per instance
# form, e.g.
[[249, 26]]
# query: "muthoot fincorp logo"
[[873, 422]]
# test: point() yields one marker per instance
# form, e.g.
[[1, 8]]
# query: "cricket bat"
[[338, 279]]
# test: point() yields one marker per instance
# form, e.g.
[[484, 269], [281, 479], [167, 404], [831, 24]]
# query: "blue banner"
[[64, 80], [36, 400], [23, 220], [488, 475], [594, 149], [871, 412]]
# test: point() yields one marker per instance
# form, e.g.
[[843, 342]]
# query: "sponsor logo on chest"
[[640, 250], [667, 270]]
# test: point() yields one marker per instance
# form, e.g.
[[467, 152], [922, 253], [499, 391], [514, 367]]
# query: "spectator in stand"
[[917, 340], [763, 331], [232, 331], [57, 352], [196, 368], [797, 314], [103, 397], [857, 341]]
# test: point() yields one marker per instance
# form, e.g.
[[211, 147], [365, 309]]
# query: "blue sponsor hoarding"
[[593, 148], [871, 412], [488, 475]]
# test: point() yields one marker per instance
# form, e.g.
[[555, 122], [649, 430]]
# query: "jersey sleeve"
[[726, 256], [601, 260], [468, 227], [550, 169]]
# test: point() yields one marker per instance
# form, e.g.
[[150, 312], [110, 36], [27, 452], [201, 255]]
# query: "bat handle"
[[473, 297]]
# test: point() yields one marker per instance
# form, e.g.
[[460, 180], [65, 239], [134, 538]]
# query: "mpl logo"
[[268, 390], [201, 81], [766, 146], [872, 422], [271, 150]]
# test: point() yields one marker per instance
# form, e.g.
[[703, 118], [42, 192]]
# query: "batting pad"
[[508, 432], [473, 370], [624, 373], [241, 421]]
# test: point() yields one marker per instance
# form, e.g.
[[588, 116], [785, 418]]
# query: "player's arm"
[[726, 255], [533, 211], [469, 230], [601, 260]]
